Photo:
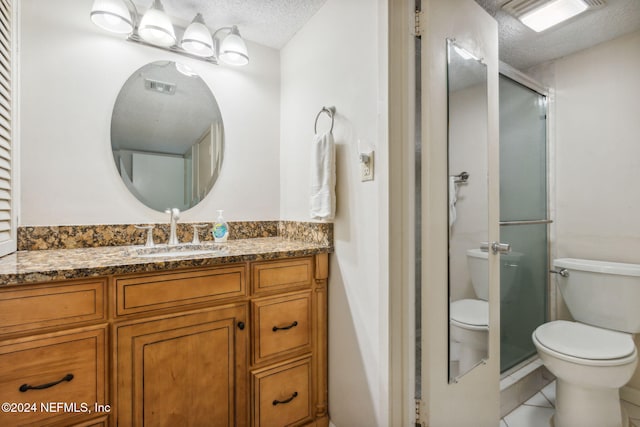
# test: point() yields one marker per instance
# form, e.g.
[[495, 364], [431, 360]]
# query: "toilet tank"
[[601, 293], [477, 262]]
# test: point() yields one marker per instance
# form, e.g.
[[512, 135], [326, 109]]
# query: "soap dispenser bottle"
[[220, 229]]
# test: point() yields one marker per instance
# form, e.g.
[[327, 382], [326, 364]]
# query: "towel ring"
[[330, 111]]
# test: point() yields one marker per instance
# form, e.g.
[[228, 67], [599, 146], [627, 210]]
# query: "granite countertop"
[[24, 267]]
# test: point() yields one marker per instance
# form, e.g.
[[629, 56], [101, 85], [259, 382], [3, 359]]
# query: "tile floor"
[[535, 412]]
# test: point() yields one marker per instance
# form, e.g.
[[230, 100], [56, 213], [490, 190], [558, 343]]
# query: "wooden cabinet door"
[[188, 369]]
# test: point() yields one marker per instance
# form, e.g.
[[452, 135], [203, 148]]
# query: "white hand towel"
[[323, 177], [453, 198]]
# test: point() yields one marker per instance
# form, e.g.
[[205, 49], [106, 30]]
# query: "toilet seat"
[[470, 314], [585, 344]]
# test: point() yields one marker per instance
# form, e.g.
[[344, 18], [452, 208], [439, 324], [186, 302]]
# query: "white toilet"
[[594, 356]]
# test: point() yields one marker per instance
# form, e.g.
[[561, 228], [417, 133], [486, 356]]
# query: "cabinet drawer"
[[282, 395], [77, 356], [167, 290], [281, 325], [281, 275], [31, 308]]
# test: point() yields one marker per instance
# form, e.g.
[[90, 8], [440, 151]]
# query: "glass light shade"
[[197, 38], [233, 50], [552, 13], [156, 28], [112, 15]]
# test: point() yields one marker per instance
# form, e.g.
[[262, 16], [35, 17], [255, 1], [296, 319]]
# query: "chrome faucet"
[[175, 215]]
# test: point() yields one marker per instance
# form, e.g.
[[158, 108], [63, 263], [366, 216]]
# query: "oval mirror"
[[167, 136]]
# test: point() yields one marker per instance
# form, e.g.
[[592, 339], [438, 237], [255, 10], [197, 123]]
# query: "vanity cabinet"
[[238, 344], [235, 345]]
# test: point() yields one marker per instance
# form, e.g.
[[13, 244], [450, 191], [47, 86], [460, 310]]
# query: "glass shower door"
[[523, 219]]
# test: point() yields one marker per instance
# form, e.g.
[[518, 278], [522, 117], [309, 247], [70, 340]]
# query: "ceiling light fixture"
[[155, 28], [540, 15]]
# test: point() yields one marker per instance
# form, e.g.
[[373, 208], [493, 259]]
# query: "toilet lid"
[[584, 341], [473, 312]]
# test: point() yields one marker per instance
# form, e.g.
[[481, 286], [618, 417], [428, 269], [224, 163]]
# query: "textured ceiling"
[[273, 23], [268, 22], [522, 47]]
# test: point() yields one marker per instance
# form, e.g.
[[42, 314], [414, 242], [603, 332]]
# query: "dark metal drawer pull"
[[24, 387], [284, 328], [293, 396]]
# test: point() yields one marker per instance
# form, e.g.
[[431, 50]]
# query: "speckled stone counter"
[[26, 267], [31, 238]]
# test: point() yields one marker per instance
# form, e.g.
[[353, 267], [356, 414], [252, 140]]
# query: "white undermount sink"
[[184, 250]]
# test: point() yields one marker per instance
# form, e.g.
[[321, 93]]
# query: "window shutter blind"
[[7, 217]]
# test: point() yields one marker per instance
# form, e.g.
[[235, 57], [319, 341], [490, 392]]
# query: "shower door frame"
[[530, 83]]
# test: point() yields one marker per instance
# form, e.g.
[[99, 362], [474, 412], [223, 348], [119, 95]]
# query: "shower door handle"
[[502, 248]]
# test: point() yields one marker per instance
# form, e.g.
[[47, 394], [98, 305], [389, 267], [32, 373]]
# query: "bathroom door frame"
[[401, 93]]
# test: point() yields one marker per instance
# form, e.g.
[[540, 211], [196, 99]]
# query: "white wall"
[[597, 140], [335, 59], [597, 150], [72, 71]]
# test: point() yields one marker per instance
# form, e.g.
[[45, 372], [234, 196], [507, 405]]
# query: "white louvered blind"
[[7, 219]]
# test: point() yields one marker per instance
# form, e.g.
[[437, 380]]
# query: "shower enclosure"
[[524, 219]]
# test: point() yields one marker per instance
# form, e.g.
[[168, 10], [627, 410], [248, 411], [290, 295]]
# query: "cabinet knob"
[[241, 326]]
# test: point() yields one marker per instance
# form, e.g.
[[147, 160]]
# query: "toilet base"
[[586, 407]]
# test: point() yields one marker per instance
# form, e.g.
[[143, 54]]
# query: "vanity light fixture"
[[155, 28], [540, 15]]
